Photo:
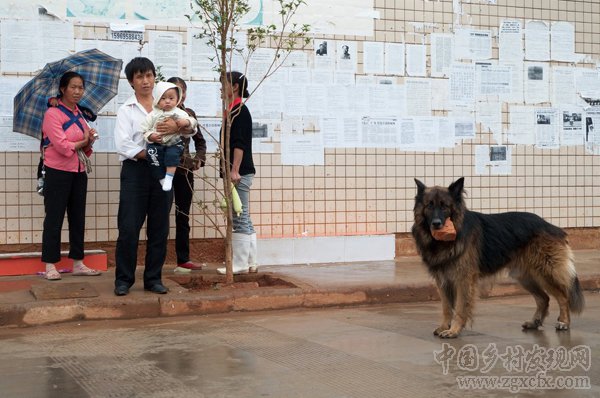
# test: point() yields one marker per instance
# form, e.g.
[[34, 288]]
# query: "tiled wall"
[[363, 191]]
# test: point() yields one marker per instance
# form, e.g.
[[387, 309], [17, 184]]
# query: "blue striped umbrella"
[[99, 70]]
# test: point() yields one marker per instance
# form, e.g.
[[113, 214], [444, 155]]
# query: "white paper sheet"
[[200, 57], [379, 95], [442, 54], [302, 149], [547, 128], [346, 55], [166, 51], [336, 17], [294, 100], [516, 91], [493, 79], [462, 85], [105, 125], [588, 82], [26, 46], [446, 135], [562, 41], [537, 83], [573, 126], [324, 54], [493, 160], [537, 41], [330, 132], [416, 60], [316, 103], [344, 78], [321, 76], [408, 133], [373, 58], [299, 76], [268, 101], [464, 126], [439, 94], [563, 89], [204, 98], [592, 126], [360, 99], [394, 59], [472, 44], [521, 125], [260, 64], [380, 132], [10, 88], [296, 59], [15, 142], [418, 96], [339, 100], [489, 114], [510, 41], [427, 134], [351, 132], [211, 131]]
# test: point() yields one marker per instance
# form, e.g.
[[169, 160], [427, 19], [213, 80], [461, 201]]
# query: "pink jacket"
[[61, 153]]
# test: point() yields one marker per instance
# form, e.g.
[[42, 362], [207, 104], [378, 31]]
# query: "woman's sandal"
[[85, 271], [53, 275]]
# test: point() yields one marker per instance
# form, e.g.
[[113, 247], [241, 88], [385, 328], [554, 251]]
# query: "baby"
[[164, 157]]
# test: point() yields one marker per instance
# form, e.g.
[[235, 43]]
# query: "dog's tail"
[[576, 299]]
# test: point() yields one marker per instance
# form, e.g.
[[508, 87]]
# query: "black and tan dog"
[[536, 253]]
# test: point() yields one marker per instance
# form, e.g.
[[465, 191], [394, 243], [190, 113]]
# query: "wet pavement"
[[369, 351]]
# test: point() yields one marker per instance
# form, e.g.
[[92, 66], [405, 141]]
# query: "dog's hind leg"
[[542, 301], [561, 282], [446, 290], [562, 297]]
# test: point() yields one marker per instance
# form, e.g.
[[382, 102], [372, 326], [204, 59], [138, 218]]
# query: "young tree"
[[218, 22]]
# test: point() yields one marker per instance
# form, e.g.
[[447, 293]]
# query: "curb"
[[182, 302]]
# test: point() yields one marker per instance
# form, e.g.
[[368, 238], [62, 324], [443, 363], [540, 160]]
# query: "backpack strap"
[[73, 119]]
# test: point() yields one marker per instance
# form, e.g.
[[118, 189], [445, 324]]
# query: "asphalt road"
[[376, 351]]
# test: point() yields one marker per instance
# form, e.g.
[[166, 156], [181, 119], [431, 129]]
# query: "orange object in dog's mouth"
[[447, 233]]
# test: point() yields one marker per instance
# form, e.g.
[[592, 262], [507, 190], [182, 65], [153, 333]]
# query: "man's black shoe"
[[157, 288], [121, 290]]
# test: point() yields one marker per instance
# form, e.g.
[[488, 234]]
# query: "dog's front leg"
[[463, 309], [446, 291]]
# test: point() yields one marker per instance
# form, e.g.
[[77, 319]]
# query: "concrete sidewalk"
[[31, 300]]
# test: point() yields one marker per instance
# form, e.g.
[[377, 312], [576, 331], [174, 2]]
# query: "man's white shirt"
[[129, 137]]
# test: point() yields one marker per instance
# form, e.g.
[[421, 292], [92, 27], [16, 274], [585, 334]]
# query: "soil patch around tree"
[[203, 283]]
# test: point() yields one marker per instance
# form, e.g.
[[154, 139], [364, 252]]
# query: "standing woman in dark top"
[[183, 187], [239, 157]]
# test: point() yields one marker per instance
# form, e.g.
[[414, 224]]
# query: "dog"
[[536, 253]]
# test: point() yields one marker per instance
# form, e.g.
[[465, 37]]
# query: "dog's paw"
[[562, 326], [441, 329], [532, 325], [448, 334]]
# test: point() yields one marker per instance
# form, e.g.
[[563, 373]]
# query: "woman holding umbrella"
[[69, 142]]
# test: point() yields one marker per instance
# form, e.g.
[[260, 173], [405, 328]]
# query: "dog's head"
[[433, 205]]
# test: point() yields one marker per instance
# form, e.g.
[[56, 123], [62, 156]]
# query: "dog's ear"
[[420, 187], [456, 188]]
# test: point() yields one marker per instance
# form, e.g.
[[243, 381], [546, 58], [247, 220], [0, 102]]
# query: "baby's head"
[[167, 96], [169, 100]]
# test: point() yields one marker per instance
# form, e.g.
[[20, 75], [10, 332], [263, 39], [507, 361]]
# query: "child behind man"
[[165, 156]]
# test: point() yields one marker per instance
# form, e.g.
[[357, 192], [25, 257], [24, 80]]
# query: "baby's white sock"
[[168, 182]]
